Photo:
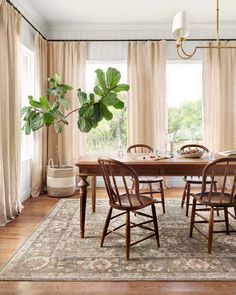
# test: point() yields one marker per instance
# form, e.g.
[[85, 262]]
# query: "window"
[[27, 88], [109, 136], [184, 95]]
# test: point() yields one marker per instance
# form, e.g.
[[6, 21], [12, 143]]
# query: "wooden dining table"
[[143, 167]]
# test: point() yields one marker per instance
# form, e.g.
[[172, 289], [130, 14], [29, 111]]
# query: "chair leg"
[[132, 186], [184, 195], [215, 190], [106, 226], [94, 185], [127, 235], [150, 189], [210, 229], [155, 224], [187, 197], [162, 197], [193, 217], [226, 220]]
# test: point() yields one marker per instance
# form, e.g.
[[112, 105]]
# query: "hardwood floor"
[[35, 209]]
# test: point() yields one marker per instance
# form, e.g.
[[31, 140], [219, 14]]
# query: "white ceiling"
[[52, 14]]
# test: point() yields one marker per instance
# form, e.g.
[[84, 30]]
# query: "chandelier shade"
[[180, 34], [179, 29]]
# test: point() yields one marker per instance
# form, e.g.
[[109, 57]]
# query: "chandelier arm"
[[181, 52]]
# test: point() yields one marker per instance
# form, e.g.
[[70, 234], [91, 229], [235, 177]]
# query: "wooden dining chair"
[[149, 180], [120, 198], [213, 200], [191, 180]]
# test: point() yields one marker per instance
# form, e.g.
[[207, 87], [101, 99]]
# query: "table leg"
[[94, 193], [83, 184]]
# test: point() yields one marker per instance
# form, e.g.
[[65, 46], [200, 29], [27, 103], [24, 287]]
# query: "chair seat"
[[125, 205], [150, 179], [215, 199], [197, 180]]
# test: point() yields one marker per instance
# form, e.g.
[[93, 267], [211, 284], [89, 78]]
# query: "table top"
[[150, 167], [156, 162]]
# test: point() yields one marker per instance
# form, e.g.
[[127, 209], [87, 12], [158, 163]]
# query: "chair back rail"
[[140, 148], [226, 168], [112, 169]]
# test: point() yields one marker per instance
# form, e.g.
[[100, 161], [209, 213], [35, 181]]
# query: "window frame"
[[28, 55]]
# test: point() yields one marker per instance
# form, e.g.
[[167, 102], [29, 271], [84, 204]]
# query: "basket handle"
[[51, 163]]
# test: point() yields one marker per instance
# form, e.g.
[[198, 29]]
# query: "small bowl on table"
[[191, 153]]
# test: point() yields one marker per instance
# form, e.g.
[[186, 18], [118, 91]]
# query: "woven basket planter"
[[60, 181]]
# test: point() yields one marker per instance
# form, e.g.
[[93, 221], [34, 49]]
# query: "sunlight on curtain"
[[219, 98], [39, 157], [146, 98]]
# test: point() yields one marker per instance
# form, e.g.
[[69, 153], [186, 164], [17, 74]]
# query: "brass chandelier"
[[180, 33]]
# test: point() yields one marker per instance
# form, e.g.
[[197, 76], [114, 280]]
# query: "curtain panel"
[[39, 157], [69, 60], [219, 98], [146, 98], [9, 113]]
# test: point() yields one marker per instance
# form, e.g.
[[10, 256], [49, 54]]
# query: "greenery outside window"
[[110, 136], [184, 96]]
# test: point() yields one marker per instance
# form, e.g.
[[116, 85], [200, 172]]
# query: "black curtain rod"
[[9, 2], [106, 40], [129, 40]]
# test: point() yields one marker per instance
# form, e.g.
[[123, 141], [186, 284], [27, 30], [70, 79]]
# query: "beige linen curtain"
[[39, 158], [219, 98], [9, 112], [69, 60], [146, 98]]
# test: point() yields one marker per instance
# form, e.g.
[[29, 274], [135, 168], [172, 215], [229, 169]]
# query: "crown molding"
[[132, 31]]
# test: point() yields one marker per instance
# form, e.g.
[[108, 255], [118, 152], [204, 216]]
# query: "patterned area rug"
[[55, 250]]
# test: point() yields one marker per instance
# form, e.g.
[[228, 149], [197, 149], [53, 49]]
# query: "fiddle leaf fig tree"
[[93, 106], [96, 106]]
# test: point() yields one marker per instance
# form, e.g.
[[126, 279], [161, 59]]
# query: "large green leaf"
[[121, 87], [55, 106], [92, 98], [95, 124], [52, 90], [65, 103], [82, 97], [101, 80], [29, 115], [44, 102], [61, 117], [105, 113], [119, 105], [37, 122], [110, 99], [48, 118], [66, 87], [27, 128], [24, 110], [34, 103], [86, 110], [96, 113], [113, 77], [84, 125], [97, 90], [57, 127]]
